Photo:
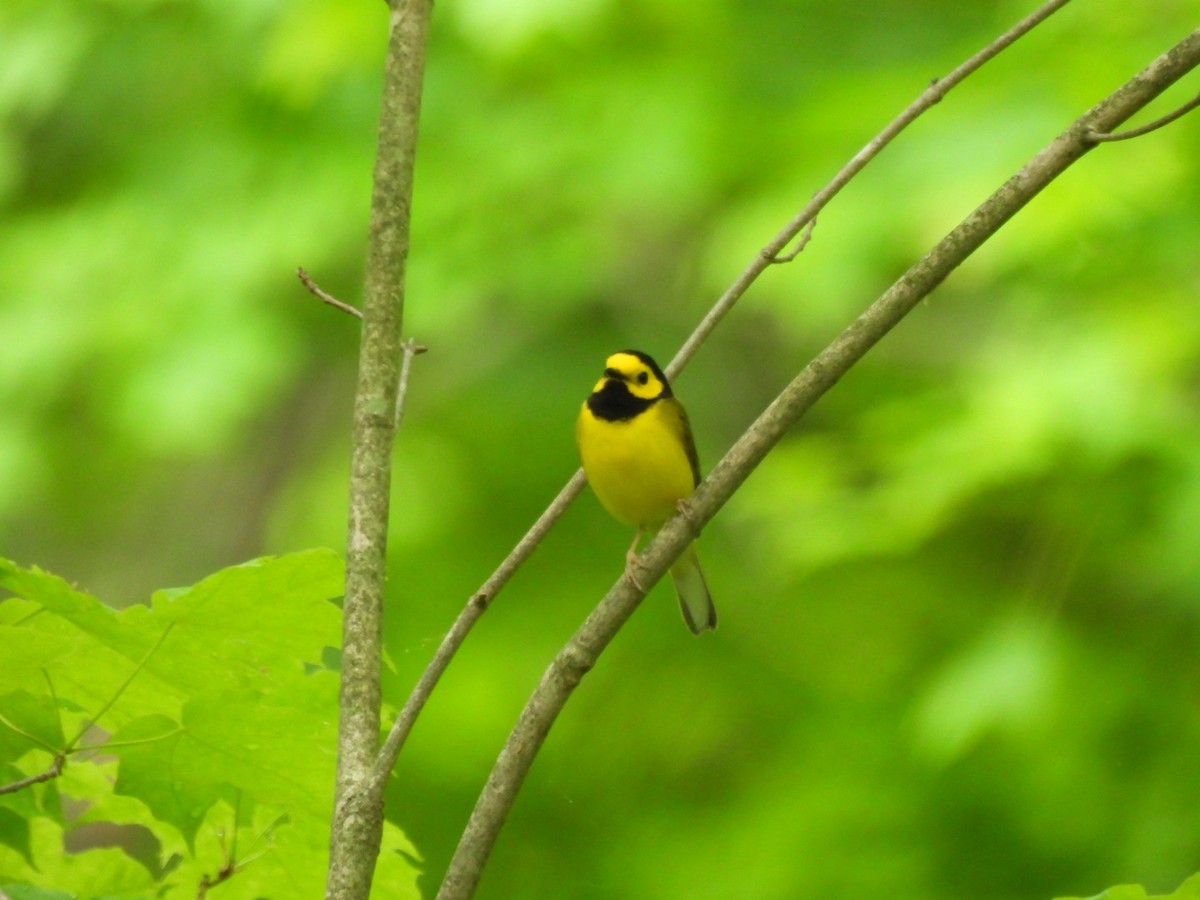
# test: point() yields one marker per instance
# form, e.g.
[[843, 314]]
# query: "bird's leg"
[[631, 560], [631, 553]]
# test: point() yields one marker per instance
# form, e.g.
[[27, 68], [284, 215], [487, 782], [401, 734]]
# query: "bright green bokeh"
[[960, 605]]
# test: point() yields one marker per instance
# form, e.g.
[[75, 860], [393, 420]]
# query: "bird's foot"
[[632, 579], [684, 508], [631, 558]]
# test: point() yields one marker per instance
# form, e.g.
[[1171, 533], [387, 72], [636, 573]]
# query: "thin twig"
[[230, 866], [25, 734], [315, 290], [116, 745], [60, 756], [121, 690], [226, 872], [54, 771], [933, 94], [769, 254], [1146, 129], [253, 852], [411, 349], [462, 626], [582, 651]]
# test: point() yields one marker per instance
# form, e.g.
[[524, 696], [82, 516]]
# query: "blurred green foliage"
[[960, 605]]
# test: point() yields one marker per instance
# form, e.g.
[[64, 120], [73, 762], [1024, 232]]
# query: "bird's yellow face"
[[639, 375]]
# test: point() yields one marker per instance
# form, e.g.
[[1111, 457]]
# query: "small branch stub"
[[411, 348], [316, 291], [1102, 137], [51, 773], [801, 243]]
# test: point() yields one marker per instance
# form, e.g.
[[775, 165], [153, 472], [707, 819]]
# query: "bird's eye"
[[643, 377]]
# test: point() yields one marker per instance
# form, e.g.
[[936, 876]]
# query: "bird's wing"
[[678, 420]]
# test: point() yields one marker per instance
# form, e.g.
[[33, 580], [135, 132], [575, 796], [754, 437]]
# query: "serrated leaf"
[[283, 618], [1189, 890], [80, 649], [1120, 892], [228, 718], [252, 626], [83, 611], [394, 867]]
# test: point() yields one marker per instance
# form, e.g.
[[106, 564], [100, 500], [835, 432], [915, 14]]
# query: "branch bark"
[[582, 651], [771, 253], [49, 774], [358, 809]]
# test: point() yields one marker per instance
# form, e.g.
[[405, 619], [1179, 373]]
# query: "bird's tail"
[[694, 600]]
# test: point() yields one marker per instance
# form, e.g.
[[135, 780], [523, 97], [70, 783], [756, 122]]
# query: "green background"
[[960, 604]]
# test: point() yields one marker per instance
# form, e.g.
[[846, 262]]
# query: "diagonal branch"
[[932, 95], [325, 297], [52, 772], [773, 252], [584, 648]]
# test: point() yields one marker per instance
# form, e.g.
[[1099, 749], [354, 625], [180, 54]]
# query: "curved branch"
[[1150, 126], [582, 651], [932, 95], [771, 253]]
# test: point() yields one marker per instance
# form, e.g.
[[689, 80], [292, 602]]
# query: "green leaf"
[[14, 833], [1189, 890], [30, 648], [81, 610], [89, 873], [82, 648], [92, 783], [279, 753], [156, 772], [221, 709], [283, 618], [29, 892], [28, 722]]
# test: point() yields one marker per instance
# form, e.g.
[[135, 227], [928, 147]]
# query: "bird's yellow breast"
[[638, 467]]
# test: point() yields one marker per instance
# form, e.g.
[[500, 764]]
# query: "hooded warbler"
[[640, 459]]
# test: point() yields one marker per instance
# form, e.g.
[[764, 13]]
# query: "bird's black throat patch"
[[614, 403]]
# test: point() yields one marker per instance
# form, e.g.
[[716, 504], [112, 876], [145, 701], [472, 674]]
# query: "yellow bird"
[[640, 459]]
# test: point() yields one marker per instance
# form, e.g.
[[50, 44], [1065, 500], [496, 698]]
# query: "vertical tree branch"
[[358, 811], [821, 374]]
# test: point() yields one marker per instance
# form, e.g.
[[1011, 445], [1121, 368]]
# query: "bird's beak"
[[614, 375]]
